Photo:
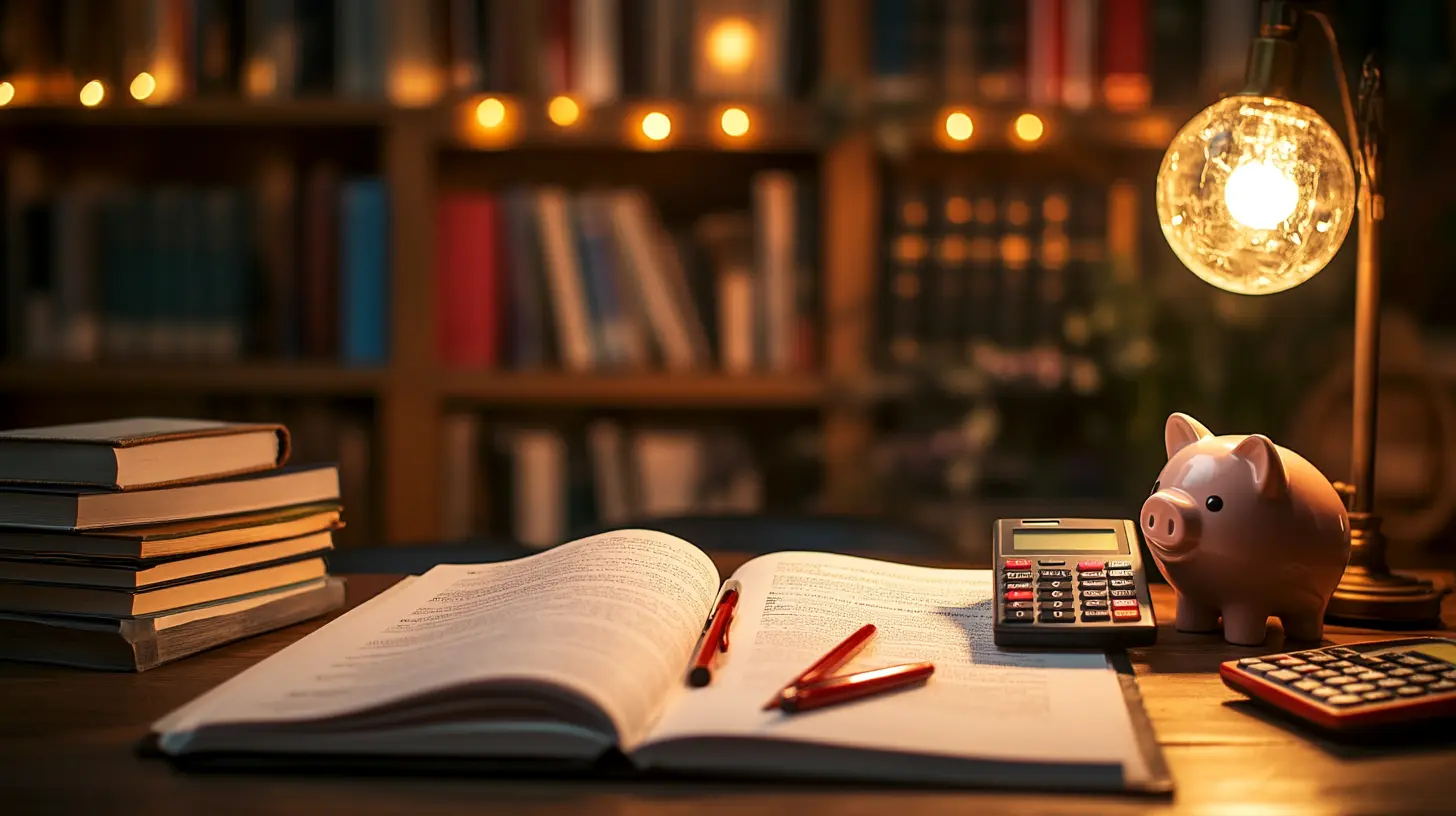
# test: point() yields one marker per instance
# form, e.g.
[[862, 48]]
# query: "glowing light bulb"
[[1260, 195], [1029, 127], [7, 93], [734, 122], [92, 93], [490, 113], [143, 86], [563, 111], [731, 44], [656, 126], [959, 126], [1256, 194]]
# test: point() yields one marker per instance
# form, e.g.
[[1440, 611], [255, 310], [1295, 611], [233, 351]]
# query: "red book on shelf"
[[1125, 84], [1046, 52], [466, 279], [558, 54]]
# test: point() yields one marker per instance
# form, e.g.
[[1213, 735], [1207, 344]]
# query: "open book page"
[[611, 618], [980, 703]]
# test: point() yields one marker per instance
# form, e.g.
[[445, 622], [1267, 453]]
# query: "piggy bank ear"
[[1269, 475], [1181, 431]]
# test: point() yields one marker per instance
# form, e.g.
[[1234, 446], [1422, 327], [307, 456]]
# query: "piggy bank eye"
[[1214, 504], [1156, 484]]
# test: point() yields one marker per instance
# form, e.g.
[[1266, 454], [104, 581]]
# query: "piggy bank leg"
[[1304, 625], [1245, 626], [1193, 617]]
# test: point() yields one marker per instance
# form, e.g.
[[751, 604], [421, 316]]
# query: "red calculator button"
[[1017, 563], [1088, 566], [1019, 595], [1126, 603], [1126, 614]]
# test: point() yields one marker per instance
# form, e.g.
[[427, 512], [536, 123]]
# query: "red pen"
[[828, 664], [853, 686], [715, 636]]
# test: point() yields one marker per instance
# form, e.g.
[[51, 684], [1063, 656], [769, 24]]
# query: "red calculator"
[[1360, 686]]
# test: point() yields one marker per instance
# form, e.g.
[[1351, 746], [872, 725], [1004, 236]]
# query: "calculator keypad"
[[1345, 678], [1055, 591]]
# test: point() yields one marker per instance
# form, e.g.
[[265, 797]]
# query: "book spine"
[[271, 68], [596, 32], [564, 277], [528, 331], [664, 26], [806, 265], [466, 278], [413, 75], [958, 75], [363, 253], [1081, 32], [1045, 49], [319, 302], [218, 42], [316, 47], [540, 476], [892, 50], [278, 257], [1002, 44], [1125, 83], [467, 59], [559, 51], [775, 213], [459, 475]]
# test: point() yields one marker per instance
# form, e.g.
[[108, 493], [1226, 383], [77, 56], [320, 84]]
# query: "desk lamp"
[[1255, 194]]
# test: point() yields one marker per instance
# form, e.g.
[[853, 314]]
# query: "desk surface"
[[66, 742]]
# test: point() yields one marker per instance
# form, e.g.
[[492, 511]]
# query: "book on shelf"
[[139, 644], [596, 281], [140, 452], [560, 684]]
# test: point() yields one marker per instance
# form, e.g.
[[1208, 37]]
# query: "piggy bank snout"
[[1170, 522]]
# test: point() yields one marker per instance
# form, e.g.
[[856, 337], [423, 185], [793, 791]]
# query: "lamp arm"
[[1358, 140]]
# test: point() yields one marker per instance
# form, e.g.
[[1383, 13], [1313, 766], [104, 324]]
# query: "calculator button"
[[1324, 673], [1317, 657], [1016, 575], [1340, 664], [1018, 616], [1057, 616], [1450, 675], [1422, 655], [1101, 616], [1050, 562], [1099, 604], [1343, 699], [1125, 615], [1422, 679], [1285, 675], [1403, 671], [1099, 584], [1121, 583], [1019, 595], [1017, 564], [1089, 594], [1012, 586], [1411, 691], [1046, 604], [1131, 603], [1127, 565], [1441, 685], [1260, 668], [1390, 682], [1249, 661], [1308, 668], [1359, 688], [1289, 662], [1119, 573], [1122, 593], [1098, 575], [1370, 676], [1307, 684], [1088, 566], [1339, 680], [1016, 605], [1325, 691], [1411, 660], [1375, 696], [1353, 671], [1053, 584], [1054, 594], [1381, 666], [1054, 575], [1341, 651]]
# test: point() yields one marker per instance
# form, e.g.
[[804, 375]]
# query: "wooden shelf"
[[994, 129], [210, 112], [655, 390], [189, 378]]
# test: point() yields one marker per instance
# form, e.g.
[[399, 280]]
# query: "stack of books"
[[129, 543]]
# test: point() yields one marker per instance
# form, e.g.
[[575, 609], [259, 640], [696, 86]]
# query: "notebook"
[[579, 653], [127, 454]]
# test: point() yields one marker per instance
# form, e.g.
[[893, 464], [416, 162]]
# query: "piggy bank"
[[1244, 529]]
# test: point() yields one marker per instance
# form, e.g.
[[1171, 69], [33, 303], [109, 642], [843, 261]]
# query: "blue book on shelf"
[[359, 50], [528, 330], [598, 266], [363, 280], [591, 281], [893, 38]]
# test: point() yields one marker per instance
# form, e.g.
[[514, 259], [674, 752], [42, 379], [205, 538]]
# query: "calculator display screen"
[[1444, 651], [1024, 540]]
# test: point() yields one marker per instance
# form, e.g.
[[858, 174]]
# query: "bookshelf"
[[413, 391]]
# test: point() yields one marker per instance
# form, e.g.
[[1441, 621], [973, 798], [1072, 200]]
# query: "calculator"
[[1070, 583], [1357, 687]]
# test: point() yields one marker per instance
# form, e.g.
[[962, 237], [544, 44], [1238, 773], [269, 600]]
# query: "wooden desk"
[[66, 742]]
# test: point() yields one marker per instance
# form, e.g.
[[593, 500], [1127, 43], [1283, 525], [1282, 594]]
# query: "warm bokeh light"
[[656, 126], [92, 93], [1029, 127], [143, 86], [490, 113], [734, 122], [563, 111], [731, 44], [958, 126], [7, 93]]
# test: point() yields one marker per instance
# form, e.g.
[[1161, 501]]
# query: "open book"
[[573, 652]]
